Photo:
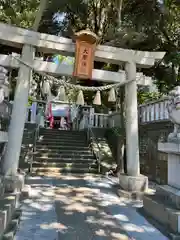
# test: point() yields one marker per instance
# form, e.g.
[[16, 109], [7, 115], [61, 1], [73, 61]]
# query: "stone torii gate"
[[31, 41]]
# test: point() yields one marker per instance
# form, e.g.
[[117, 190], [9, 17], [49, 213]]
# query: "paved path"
[[80, 208]]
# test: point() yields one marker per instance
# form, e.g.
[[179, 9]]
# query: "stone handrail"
[[95, 120], [153, 111], [99, 120], [149, 112]]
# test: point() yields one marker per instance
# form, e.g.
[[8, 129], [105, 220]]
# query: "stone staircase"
[[61, 151]]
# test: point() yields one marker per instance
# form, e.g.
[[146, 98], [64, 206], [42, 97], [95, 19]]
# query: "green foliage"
[[142, 25], [20, 13], [144, 97], [30, 100]]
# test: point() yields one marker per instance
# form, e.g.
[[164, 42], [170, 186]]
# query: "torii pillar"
[[133, 181], [18, 117]]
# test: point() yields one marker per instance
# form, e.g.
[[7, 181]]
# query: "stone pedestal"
[[132, 187], [173, 150], [164, 206], [133, 184], [13, 184]]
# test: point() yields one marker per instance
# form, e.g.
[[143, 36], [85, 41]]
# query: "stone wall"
[[153, 163]]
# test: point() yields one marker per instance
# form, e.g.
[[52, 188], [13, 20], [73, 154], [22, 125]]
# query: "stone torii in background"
[[29, 41]]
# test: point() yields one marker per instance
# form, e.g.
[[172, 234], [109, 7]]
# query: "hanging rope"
[[70, 85]]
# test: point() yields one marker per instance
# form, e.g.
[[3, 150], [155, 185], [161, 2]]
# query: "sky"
[[59, 17]]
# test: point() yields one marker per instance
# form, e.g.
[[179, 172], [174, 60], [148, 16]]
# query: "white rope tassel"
[[46, 88], [1, 95], [112, 95], [97, 99], [62, 94], [80, 98]]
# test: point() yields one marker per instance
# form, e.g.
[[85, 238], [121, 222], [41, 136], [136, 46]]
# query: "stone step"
[[64, 155], [66, 165], [50, 143], [59, 130], [63, 136], [57, 136], [64, 151], [62, 141], [62, 133], [54, 146], [64, 159], [162, 212], [63, 170]]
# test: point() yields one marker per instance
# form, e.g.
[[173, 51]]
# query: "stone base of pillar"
[[14, 183], [132, 187]]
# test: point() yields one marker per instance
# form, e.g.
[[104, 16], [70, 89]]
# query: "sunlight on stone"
[[28, 201], [91, 219], [122, 204], [133, 228], [64, 190], [119, 236], [44, 155], [24, 218], [62, 198], [148, 228], [68, 213], [89, 177], [45, 199], [105, 185], [44, 207], [10, 198], [138, 204], [86, 190], [69, 177], [105, 222], [121, 217], [102, 221], [29, 213], [54, 225], [81, 199], [105, 203], [151, 191], [101, 233], [50, 193], [80, 208]]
